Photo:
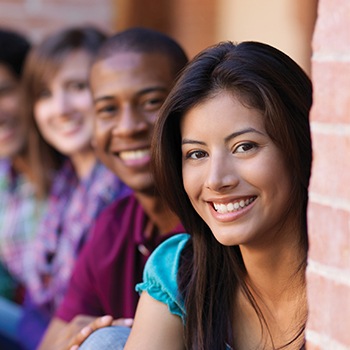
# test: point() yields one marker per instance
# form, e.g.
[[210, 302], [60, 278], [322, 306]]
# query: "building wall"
[[191, 22], [36, 18], [328, 274], [285, 24]]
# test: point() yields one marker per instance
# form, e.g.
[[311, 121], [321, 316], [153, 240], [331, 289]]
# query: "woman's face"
[[63, 111], [234, 175], [12, 134]]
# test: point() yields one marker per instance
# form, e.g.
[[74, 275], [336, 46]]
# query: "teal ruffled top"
[[160, 274]]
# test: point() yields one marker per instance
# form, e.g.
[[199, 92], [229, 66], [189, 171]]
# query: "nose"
[[130, 122], [221, 174], [62, 104]]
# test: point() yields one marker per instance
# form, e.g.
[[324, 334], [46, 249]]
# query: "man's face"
[[128, 90]]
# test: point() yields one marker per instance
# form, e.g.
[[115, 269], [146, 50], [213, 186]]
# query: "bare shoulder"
[[146, 334]]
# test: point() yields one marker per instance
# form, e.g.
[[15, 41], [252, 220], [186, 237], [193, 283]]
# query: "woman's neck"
[[277, 327], [276, 279], [83, 162], [20, 165]]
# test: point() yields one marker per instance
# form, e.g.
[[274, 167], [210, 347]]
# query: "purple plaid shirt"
[[72, 208]]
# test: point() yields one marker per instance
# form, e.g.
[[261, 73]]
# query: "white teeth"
[[133, 155], [226, 208], [68, 125]]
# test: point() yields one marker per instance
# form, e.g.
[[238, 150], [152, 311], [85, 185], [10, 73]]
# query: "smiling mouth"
[[135, 154], [69, 126], [233, 206], [6, 130]]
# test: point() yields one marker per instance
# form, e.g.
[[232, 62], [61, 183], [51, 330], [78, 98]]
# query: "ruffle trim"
[[156, 291]]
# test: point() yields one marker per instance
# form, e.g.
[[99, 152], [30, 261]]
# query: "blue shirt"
[[160, 274]]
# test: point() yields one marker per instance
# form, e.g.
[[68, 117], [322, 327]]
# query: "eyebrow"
[[242, 132], [227, 138], [139, 93]]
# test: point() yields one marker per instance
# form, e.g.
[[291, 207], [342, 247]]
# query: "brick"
[[332, 34], [329, 308], [331, 166], [326, 224], [331, 91]]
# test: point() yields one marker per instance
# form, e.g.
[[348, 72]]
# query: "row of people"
[[233, 132], [51, 189]]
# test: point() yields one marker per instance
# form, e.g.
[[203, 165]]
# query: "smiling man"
[[130, 79]]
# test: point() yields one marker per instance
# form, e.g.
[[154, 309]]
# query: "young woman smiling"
[[232, 156]]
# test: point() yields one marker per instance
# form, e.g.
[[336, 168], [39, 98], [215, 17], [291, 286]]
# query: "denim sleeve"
[[160, 274]]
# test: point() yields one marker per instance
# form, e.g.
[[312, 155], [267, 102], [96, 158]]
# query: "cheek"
[[11, 105], [40, 114], [152, 117], [100, 135], [99, 140], [276, 179], [191, 181]]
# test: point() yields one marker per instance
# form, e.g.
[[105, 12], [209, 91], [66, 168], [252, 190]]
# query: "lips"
[[6, 131]]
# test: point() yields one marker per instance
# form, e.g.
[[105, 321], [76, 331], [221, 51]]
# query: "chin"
[[227, 239]]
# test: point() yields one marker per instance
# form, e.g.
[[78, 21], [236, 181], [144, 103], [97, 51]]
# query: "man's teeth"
[[227, 208], [133, 155]]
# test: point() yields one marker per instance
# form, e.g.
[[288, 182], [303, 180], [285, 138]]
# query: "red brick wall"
[[329, 210], [39, 17]]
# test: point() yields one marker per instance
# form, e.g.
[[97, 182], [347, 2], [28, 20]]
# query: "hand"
[[100, 322]]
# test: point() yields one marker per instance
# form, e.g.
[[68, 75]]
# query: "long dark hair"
[[268, 80], [43, 62]]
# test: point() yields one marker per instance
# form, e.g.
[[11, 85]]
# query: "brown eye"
[[82, 85], [245, 147], [106, 111], [153, 104], [196, 155]]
